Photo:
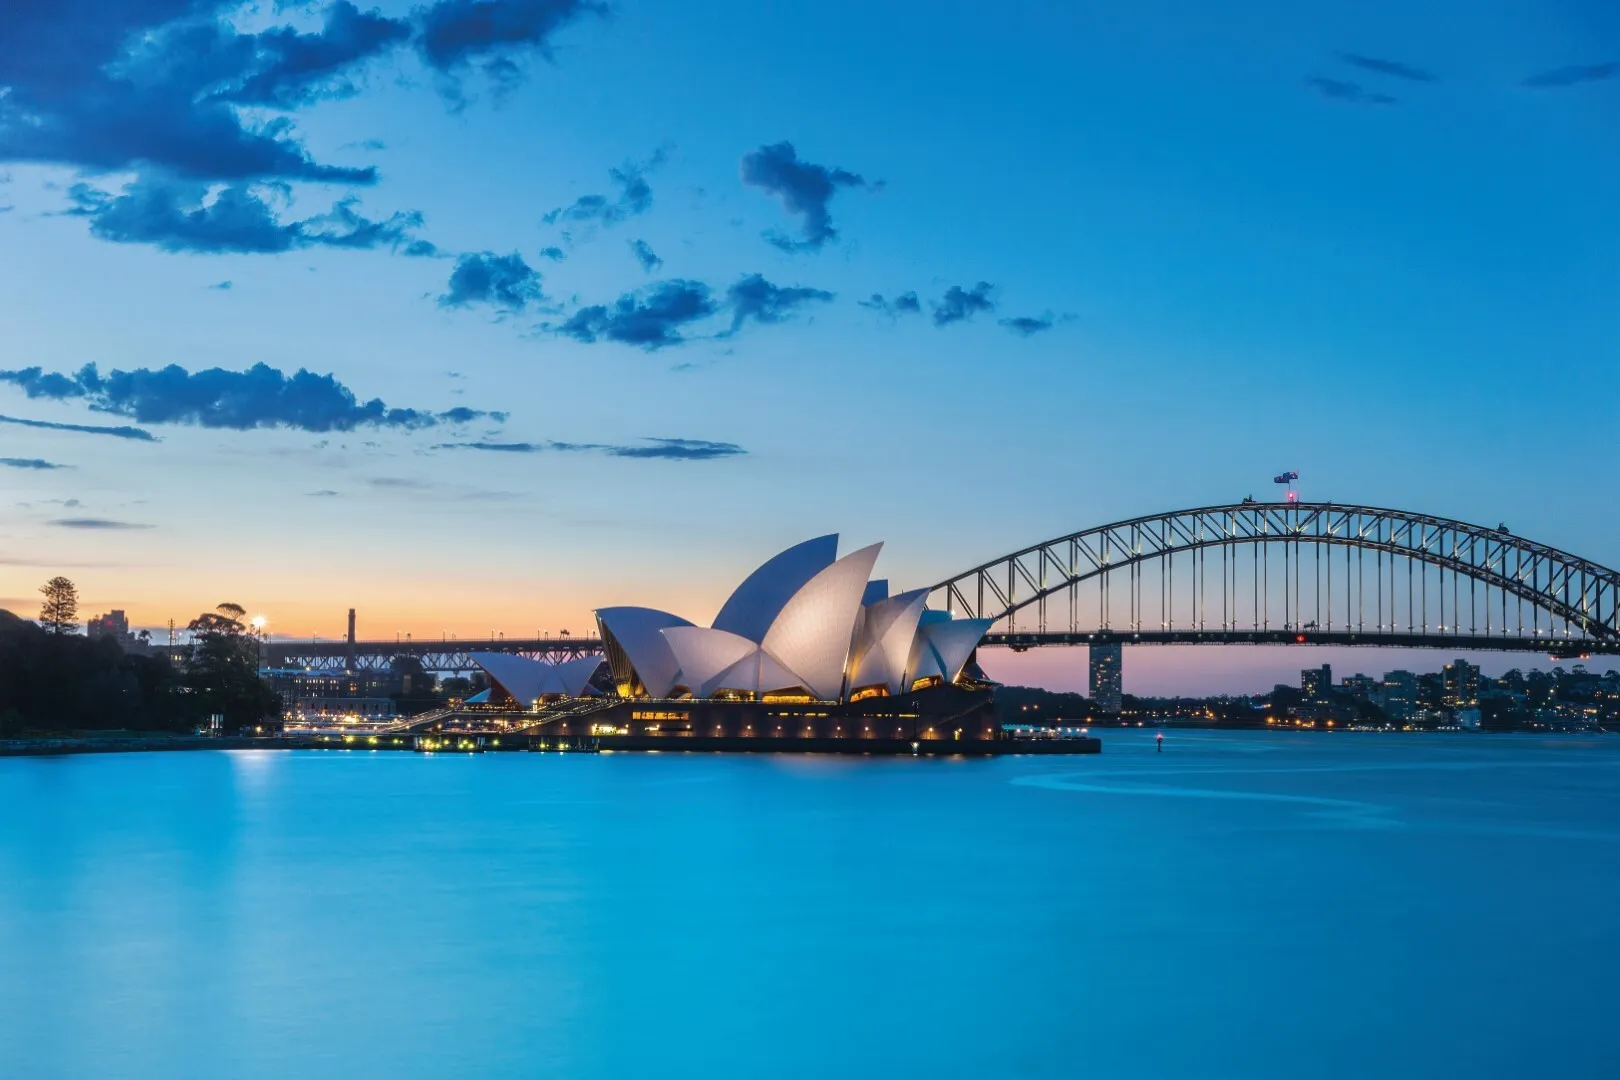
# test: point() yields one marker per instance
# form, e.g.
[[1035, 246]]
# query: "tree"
[[60, 612], [224, 668]]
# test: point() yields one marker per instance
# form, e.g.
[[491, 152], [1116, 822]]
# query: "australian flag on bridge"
[[1285, 478]]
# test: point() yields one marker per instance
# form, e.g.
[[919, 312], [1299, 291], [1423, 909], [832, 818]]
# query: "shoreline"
[[55, 746]]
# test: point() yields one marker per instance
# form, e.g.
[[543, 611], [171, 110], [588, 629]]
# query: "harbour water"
[[1241, 905]]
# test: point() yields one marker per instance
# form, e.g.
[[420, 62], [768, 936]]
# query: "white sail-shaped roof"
[[526, 680], [703, 654], [637, 631], [943, 647], [883, 646], [574, 676], [815, 630], [759, 599], [757, 673]]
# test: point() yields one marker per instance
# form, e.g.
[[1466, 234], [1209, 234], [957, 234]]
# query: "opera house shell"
[[805, 626]]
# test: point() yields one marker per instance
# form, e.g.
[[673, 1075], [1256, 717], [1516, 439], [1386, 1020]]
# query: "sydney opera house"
[[806, 650]]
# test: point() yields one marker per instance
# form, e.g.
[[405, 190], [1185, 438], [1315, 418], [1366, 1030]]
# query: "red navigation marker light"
[[1299, 639]]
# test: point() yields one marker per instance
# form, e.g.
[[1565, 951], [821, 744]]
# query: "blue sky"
[[1157, 253]]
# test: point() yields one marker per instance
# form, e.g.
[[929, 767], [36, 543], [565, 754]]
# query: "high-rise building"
[[1400, 695], [1316, 682], [114, 624], [1461, 685], [1108, 677], [1359, 686]]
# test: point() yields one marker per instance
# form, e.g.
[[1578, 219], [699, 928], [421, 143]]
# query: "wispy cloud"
[[1392, 68], [634, 197], [665, 314], [645, 255], [805, 189], [324, 493], [1348, 92], [95, 523], [186, 216], [85, 429], [755, 298], [30, 463], [904, 304], [261, 397], [1026, 325], [652, 448], [1573, 75]]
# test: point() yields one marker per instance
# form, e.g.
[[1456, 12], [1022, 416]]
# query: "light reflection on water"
[[1243, 905]]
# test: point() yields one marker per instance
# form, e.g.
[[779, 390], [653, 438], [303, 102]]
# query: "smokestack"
[[348, 661]]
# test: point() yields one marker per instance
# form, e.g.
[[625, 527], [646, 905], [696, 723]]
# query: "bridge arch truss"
[[1317, 573]]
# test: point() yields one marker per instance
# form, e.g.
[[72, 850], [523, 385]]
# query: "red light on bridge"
[[1299, 639]]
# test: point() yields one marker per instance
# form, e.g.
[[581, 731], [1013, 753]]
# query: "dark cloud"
[[95, 523], [658, 317], [454, 36], [904, 304], [1348, 92], [755, 298], [555, 254], [420, 249], [105, 85], [505, 282], [645, 255], [113, 85], [1573, 76], [30, 463], [959, 305], [1026, 325], [261, 397], [667, 449], [293, 69], [1386, 67], [651, 319], [221, 286], [805, 189], [84, 429], [634, 197], [182, 216], [679, 449]]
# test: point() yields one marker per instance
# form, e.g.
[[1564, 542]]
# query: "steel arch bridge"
[[1293, 573]]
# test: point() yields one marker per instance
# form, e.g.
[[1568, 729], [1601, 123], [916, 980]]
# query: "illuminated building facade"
[[809, 653], [805, 627], [1108, 677]]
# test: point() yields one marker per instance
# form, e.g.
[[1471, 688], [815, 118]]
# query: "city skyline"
[[614, 282]]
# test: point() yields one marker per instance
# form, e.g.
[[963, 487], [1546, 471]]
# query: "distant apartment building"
[[1461, 683], [1315, 683], [1361, 687], [1108, 677], [1399, 695], [115, 625]]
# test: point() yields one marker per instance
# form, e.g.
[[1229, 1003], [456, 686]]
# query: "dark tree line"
[[54, 680]]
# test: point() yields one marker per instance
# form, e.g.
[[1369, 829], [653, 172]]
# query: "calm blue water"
[[1244, 905]]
